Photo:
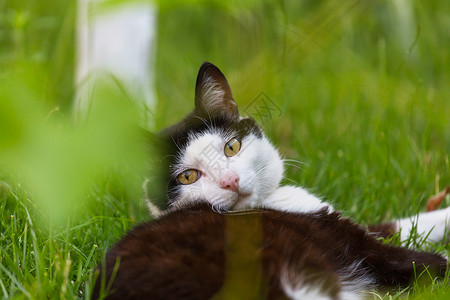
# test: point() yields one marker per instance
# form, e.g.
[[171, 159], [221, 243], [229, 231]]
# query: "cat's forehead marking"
[[205, 146], [199, 143], [204, 151]]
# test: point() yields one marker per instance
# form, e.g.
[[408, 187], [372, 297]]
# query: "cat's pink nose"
[[230, 182]]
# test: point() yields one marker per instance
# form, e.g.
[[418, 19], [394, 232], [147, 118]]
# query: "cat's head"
[[214, 155]]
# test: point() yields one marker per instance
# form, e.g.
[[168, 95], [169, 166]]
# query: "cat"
[[228, 229], [233, 165], [196, 253]]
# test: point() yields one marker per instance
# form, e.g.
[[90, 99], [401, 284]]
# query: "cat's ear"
[[213, 96]]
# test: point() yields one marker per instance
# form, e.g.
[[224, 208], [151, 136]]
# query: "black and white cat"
[[224, 159], [227, 229], [196, 253]]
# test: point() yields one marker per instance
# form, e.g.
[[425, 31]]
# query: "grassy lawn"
[[360, 100]]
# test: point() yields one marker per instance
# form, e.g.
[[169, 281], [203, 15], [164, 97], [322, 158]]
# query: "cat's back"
[[197, 253], [179, 256], [189, 254]]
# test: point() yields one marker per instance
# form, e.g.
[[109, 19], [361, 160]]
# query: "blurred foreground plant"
[[59, 158]]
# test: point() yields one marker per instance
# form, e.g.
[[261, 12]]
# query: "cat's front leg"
[[294, 199]]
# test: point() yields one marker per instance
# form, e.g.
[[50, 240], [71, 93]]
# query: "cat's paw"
[[294, 199]]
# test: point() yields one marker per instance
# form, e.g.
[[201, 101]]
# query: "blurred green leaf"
[[60, 160]]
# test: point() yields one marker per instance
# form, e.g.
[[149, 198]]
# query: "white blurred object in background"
[[115, 41]]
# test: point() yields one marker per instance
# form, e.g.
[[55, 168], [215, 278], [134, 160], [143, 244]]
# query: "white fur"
[[154, 210], [260, 170], [434, 224], [353, 279], [304, 292], [257, 164], [294, 199], [212, 92], [294, 285]]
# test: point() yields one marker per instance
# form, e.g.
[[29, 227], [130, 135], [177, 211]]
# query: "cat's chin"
[[243, 201]]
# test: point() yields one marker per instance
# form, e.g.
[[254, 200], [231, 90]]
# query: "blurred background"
[[358, 94]]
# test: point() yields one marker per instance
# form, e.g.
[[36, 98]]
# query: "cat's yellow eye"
[[232, 147], [188, 176]]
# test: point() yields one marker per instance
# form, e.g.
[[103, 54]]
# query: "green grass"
[[364, 99]]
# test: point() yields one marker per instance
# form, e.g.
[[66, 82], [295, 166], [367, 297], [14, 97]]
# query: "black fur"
[[197, 254]]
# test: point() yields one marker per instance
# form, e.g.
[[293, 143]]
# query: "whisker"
[[295, 166], [292, 181], [293, 160]]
